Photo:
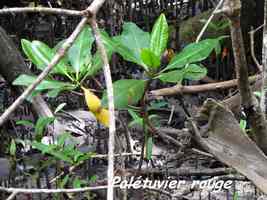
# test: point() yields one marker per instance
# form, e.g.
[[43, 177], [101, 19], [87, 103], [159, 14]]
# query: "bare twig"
[[202, 152], [171, 115], [112, 126], [12, 196], [48, 191], [78, 190], [41, 10], [198, 88], [252, 49], [208, 21]]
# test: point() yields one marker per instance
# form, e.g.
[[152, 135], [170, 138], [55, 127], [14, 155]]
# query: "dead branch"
[[208, 21], [54, 191], [199, 88], [41, 10], [252, 49]]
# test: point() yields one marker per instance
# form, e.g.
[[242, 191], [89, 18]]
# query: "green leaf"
[[61, 156], [64, 181], [83, 157], [150, 59], [93, 179], [175, 76], [65, 58], [13, 148], [155, 105], [41, 123], [27, 49], [96, 63], [257, 93], [54, 93], [80, 51], [130, 43], [149, 146], [62, 138], [26, 80], [25, 123], [159, 36], [194, 72], [41, 55], [236, 196], [128, 54], [76, 183], [194, 52], [243, 124], [51, 149], [137, 120], [42, 147], [126, 92], [133, 37]]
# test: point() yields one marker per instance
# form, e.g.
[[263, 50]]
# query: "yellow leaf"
[[92, 101], [103, 117]]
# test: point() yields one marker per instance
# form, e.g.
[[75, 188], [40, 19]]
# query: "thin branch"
[[47, 191], [12, 196], [252, 49], [208, 21], [112, 126], [199, 88], [41, 10], [95, 6]]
